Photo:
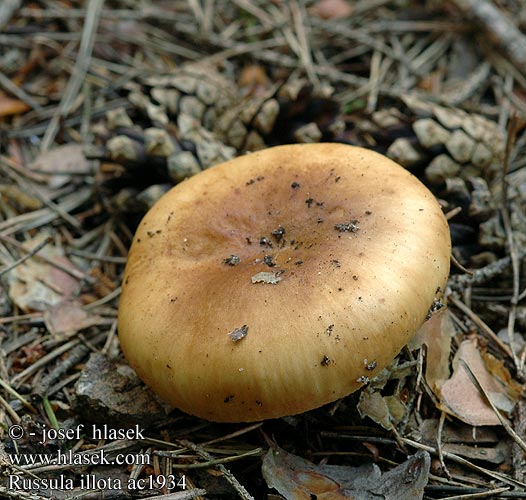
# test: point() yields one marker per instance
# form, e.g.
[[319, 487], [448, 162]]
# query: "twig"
[[43, 361], [256, 11], [502, 420], [483, 326], [110, 338], [462, 93], [498, 27], [506, 219], [458, 265], [93, 11], [298, 18], [30, 254], [41, 217], [453, 212], [242, 492], [63, 383], [12, 413], [212, 462], [8, 85], [361, 36], [18, 396], [77, 354], [35, 317], [232, 435], [519, 422], [459, 282], [208, 16], [7, 9], [21, 495], [104, 300], [374, 81], [102, 258], [197, 10], [33, 190], [180, 495], [490, 493], [462, 461], [75, 273], [439, 444]]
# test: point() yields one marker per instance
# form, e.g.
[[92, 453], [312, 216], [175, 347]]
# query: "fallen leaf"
[[34, 285], [60, 162], [69, 317], [436, 334], [498, 369], [385, 409], [461, 398], [454, 431], [473, 443], [297, 479]]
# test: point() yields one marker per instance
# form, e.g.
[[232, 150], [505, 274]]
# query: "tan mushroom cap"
[[354, 251]]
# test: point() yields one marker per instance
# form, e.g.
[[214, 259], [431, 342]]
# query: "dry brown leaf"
[[386, 410], [453, 431], [461, 398], [60, 161], [297, 479], [436, 334], [498, 369], [68, 317], [34, 285], [331, 9], [479, 443]]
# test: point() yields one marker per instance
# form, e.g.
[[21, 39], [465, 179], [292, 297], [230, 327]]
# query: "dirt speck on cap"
[[238, 333], [267, 278]]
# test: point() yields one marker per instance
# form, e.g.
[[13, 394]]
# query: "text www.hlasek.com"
[[99, 457]]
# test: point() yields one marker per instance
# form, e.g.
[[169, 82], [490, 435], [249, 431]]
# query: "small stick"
[[30, 254], [180, 495], [506, 219], [75, 273], [242, 492], [212, 462], [500, 29], [77, 354], [93, 12], [458, 283], [483, 326], [439, 445], [502, 419], [12, 413], [44, 360]]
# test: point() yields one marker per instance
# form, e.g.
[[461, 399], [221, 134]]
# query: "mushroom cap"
[[281, 280]]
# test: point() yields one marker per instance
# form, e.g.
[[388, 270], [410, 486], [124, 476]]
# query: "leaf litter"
[[297, 479], [366, 74], [462, 399]]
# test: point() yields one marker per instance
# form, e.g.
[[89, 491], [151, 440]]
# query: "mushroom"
[[280, 281]]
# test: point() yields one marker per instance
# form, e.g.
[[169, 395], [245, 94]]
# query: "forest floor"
[[101, 101]]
